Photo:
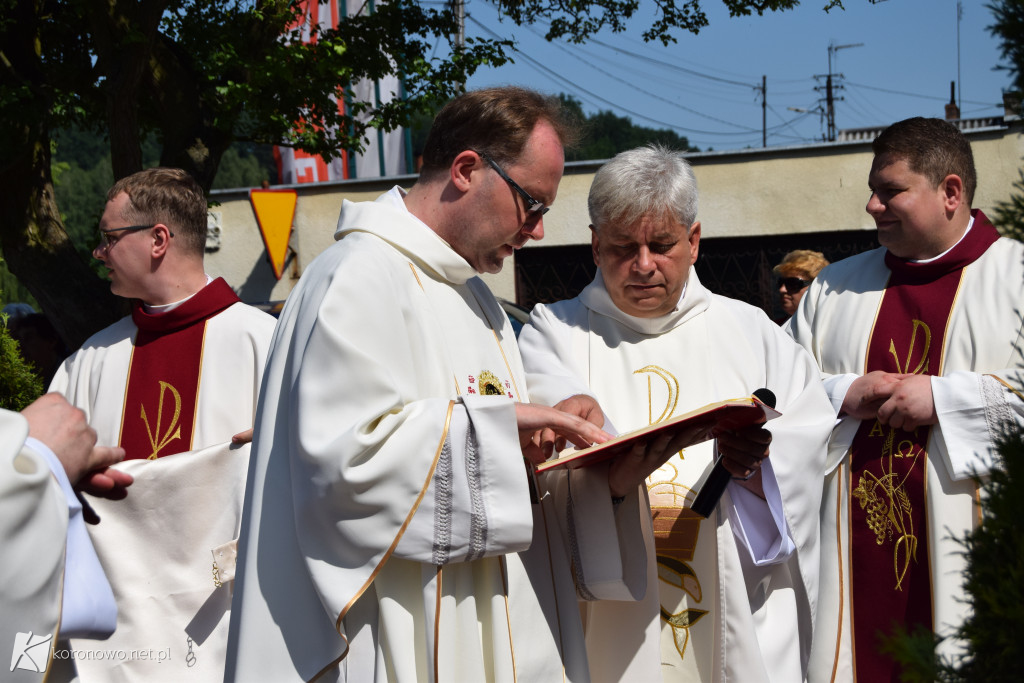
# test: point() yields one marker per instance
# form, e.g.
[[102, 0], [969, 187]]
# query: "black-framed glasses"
[[792, 285], [532, 205], [106, 242]]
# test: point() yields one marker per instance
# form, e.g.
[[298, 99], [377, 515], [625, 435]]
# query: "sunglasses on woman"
[[792, 285]]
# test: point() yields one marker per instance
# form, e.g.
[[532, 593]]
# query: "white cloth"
[[94, 379], [984, 337], [750, 618], [33, 526], [388, 500]]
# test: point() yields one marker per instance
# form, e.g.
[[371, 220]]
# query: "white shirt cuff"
[[765, 536]]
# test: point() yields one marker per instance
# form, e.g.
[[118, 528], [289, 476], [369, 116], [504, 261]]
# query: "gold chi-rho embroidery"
[[159, 440]]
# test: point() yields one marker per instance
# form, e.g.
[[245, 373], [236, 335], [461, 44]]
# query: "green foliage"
[[1009, 30], [995, 573], [241, 169], [577, 21], [605, 134], [19, 384], [11, 290], [915, 653], [81, 193]]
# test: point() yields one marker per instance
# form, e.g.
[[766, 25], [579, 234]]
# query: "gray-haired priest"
[[730, 597]]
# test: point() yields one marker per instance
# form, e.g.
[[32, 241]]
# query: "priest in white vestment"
[[391, 529], [920, 347], [172, 384], [50, 578], [730, 597]]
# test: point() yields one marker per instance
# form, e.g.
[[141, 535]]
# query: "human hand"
[[743, 451], [242, 437], [580, 405], [868, 392], [533, 419], [62, 427], [628, 470], [106, 482], [911, 404]]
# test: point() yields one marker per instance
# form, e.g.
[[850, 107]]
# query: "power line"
[[910, 94]]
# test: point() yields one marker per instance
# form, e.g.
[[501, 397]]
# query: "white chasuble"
[[388, 532], [159, 562], [983, 355], [716, 614]]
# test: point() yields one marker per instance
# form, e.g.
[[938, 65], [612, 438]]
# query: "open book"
[[702, 424]]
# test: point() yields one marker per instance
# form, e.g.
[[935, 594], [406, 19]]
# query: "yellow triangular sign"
[[275, 211]]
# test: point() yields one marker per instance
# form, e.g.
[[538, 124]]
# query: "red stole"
[[890, 579], [160, 396]]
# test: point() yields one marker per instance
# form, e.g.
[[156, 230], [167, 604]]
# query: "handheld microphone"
[[712, 490]]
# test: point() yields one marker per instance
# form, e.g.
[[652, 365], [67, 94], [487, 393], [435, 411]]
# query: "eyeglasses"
[[792, 285], [532, 205], [106, 242]]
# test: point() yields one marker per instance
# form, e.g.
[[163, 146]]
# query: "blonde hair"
[[801, 262]]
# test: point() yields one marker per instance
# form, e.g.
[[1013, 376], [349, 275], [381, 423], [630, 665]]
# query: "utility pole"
[[830, 98], [764, 110]]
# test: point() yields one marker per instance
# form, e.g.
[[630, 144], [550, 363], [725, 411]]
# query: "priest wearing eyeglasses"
[[172, 384]]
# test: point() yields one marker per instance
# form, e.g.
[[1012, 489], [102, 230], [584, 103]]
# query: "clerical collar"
[[970, 223], [971, 246], [693, 300], [166, 308], [207, 302]]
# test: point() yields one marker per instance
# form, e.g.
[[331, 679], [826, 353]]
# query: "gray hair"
[[647, 180]]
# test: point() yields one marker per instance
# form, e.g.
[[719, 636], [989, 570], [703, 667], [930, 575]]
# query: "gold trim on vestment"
[[512, 375], [508, 616], [871, 332], [842, 589], [124, 401], [199, 383], [398, 536], [437, 624], [56, 627], [416, 275], [845, 494]]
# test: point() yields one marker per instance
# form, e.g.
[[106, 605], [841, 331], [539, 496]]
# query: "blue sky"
[[707, 86]]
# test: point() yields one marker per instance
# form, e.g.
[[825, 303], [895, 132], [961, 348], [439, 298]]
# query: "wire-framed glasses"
[[533, 206]]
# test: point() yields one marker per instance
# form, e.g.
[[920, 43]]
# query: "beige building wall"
[[774, 191]]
